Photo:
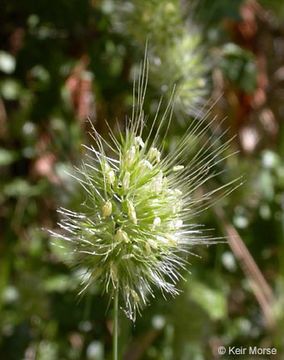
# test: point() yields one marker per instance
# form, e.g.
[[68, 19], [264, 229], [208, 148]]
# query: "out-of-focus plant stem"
[[259, 285]]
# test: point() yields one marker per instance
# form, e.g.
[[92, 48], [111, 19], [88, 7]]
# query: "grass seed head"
[[138, 220]]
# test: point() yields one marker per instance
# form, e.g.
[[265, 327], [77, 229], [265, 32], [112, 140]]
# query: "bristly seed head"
[[137, 222]]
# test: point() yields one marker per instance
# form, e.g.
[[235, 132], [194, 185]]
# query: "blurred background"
[[66, 61]]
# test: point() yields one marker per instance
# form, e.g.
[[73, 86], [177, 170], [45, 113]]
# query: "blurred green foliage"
[[63, 62]]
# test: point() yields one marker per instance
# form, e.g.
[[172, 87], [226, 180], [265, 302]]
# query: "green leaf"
[[58, 283], [7, 157], [211, 300], [20, 187]]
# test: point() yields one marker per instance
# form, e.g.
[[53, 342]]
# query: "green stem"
[[115, 326]]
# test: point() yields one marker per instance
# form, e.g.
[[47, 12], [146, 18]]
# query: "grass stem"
[[115, 326]]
